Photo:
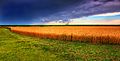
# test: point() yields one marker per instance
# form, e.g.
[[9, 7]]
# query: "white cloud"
[[54, 23], [59, 22], [80, 21], [37, 23], [108, 14], [95, 20]]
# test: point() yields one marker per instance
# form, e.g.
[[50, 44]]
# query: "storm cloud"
[[28, 11]]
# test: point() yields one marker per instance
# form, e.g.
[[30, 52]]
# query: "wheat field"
[[92, 34]]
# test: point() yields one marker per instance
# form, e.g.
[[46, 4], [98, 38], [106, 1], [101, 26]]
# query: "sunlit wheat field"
[[93, 34]]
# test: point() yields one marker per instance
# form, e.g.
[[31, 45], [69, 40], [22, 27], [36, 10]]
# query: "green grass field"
[[15, 47]]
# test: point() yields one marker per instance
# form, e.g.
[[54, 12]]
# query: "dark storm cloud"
[[90, 7], [25, 11]]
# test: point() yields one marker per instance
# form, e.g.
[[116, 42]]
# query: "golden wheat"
[[93, 34]]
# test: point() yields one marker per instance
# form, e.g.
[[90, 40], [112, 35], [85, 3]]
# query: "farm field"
[[93, 34], [16, 47]]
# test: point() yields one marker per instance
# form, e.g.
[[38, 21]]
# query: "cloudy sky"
[[59, 12]]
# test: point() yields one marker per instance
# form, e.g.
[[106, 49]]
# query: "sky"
[[59, 12], [99, 19]]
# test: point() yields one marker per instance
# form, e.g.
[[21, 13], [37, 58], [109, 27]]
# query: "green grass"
[[15, 47]]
